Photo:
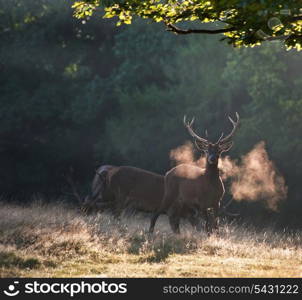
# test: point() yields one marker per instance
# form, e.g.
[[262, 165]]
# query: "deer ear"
[[226, 146], [201, 146]]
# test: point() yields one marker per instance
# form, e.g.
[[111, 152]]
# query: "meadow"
[[57, 240]]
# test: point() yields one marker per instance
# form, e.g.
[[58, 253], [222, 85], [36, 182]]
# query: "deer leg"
[[212, 220], [119, 205], [209, 221], [154, 218], [216, 220], [198, 224], [195, 220], [174, 223]]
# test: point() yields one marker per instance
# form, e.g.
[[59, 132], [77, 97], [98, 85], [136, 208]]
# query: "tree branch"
[[296, 18], [201, 31]]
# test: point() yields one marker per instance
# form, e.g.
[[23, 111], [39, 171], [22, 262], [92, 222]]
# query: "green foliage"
[[80, 95], [247, 23], [53, 82], [269, 81]]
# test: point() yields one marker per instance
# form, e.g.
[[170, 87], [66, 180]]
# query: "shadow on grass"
[[155, 249], [10, 259]]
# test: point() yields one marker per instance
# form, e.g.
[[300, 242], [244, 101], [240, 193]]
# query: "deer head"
[[213, 150]]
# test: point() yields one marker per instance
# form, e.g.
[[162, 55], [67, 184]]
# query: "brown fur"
[[135, 188], [117, 188], [189, 188]]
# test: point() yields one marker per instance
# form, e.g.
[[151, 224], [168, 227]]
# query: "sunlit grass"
[[58, 241]]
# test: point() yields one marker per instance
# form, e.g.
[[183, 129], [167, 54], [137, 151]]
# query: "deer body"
[[136, 188], [119, 187], [192, 190]]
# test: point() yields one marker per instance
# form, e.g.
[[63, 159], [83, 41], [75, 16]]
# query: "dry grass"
[[56, 241]]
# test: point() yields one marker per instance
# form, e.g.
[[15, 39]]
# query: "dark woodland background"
[[74, 96]]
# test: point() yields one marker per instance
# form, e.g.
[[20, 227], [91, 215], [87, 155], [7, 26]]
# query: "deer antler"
[[219, 138], [226, 139], [188, 125]]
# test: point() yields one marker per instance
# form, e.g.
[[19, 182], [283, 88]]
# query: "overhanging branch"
[[201, 31], [296, 18]]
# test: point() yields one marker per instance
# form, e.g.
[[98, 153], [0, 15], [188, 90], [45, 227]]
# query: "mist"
[[254, 177]]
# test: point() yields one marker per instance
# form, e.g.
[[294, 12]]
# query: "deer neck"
[[212, 170]]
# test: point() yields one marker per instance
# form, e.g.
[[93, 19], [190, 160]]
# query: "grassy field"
[[57, 241]]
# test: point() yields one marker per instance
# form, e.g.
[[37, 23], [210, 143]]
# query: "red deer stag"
[[189, 188]]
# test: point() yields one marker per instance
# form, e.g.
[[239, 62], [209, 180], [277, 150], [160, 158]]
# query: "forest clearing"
[[55, 240]]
